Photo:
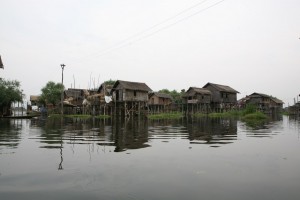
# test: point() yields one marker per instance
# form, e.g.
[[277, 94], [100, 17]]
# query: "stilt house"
[[197, 100], [130, 97], [223, 96], [265, 103], [159, 102], [75, 96]]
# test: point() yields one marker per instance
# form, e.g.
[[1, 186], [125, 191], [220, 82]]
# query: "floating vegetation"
[[173, 115], [78, 116], [102, 116]]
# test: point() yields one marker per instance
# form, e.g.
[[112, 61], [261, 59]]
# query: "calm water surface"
[[140, 159]]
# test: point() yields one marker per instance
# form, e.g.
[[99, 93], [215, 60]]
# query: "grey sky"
[[250, 45]]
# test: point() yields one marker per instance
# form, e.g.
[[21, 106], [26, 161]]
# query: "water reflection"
[[212, 131], [121, 133], [263, 129], [144, 159], [166, 130], [10, 133]]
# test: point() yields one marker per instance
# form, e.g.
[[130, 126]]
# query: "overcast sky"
[[250, 45]]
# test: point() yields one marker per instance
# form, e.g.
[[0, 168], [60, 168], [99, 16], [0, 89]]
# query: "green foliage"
[[78, 116], [255, 116], [102, 116], [110, 82], [9, 92], [174, 115], [176, 96], [218, 115], [51, 93], [255, 120], [250, 108]]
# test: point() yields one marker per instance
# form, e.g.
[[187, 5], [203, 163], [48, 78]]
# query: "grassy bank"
[[176, 115], [78, 116], [102, 116], [247, 114], [255, 120]]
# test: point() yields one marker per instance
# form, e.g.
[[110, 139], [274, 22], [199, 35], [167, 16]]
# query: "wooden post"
[[125, 109]]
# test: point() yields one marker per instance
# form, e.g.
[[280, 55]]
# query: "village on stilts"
[[125, 98]]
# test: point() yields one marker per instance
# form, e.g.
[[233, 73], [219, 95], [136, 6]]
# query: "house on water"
[[101, 101], [265, 103], [73, 100], [130, 97], [197, 100], [223, 96], [159, 102]]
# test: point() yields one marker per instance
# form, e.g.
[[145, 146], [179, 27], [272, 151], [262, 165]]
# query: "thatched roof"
[[257, 95], [195, 90], [221, 88], [34, 97], [70, 92], [131, 86], [161, 95], [105, 86]]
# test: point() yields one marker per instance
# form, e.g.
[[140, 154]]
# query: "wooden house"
[[197, 100], [100, 102], [223, 96], [159, 102], [294, 109], [265, 103], [74, 100], [34, 100], [130, 97], [75, 96]]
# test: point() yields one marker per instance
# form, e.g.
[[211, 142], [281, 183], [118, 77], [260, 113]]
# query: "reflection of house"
[[197, 99], [212, 131], [265, 102], [159, 102], [130, 97], [223, 97]]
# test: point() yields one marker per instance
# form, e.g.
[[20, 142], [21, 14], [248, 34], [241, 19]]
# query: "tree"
[[9, 92], [176, 96], [110, 82], [51, 93]]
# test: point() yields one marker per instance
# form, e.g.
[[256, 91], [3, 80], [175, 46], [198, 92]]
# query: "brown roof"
[[34, 97], [72, 92], [105, 86], [221, 88], [255, 94], [278, 101], [161, 95], [132, 86], [194, 90]]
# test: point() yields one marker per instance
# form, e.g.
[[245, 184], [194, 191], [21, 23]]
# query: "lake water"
[[143, 159]]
